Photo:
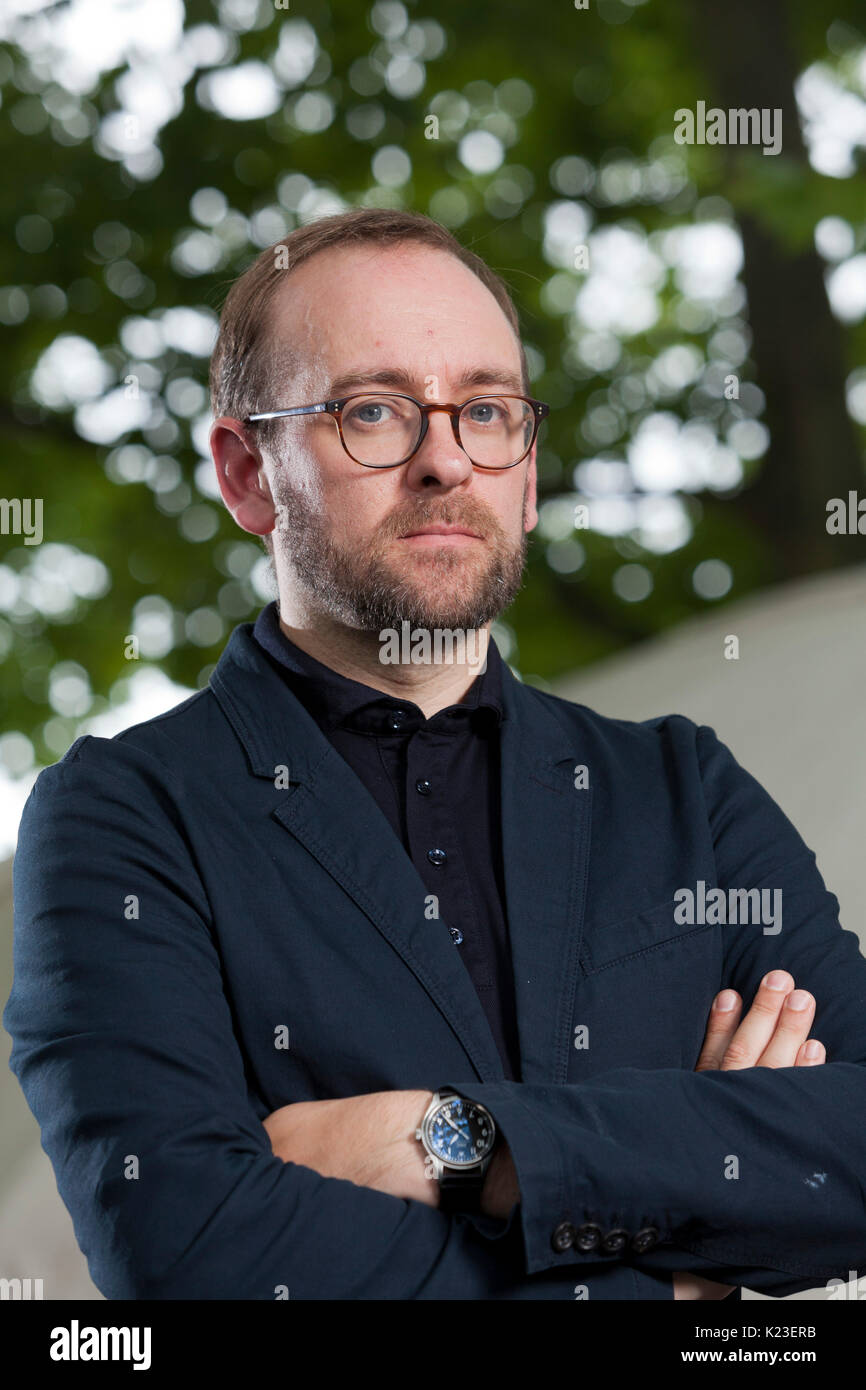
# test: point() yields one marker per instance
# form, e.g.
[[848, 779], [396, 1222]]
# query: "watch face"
[[460, 1133]]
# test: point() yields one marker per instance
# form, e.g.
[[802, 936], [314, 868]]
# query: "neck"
[[433, 684]]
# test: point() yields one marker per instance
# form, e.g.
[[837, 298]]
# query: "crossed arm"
[[369, 1140], [798, 1215], [125, 1044]]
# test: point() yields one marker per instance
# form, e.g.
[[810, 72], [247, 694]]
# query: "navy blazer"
[[194, 887]]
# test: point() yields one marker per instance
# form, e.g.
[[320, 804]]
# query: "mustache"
[[468, 512]]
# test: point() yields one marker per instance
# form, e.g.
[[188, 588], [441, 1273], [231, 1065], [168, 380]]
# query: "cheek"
[[309, 463], [356, 509]]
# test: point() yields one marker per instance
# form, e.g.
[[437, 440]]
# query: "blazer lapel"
[[338, 821], [330, 812], [545, 843]]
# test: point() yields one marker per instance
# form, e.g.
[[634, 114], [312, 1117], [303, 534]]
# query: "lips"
[[441, 531]]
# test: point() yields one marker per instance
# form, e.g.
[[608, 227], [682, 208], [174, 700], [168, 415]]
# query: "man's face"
[[428, 327]]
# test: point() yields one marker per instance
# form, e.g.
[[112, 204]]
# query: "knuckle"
[[767, 1005], [716, 1031], [793, 1025], [736, 1053]]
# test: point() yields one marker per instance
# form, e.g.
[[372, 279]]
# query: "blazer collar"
[[545, 846], [334, 699]]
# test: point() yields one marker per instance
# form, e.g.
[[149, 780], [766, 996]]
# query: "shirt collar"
[[335, 701]]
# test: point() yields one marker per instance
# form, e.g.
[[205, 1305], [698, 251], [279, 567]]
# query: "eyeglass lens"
[[495, 431]]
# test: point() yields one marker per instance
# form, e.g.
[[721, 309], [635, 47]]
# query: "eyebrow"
[[398, 376]]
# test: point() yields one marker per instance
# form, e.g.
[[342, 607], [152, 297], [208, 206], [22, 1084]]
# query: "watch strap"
[[460, 1191]]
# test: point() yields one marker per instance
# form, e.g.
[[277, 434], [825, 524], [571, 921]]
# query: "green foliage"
[[596, 87]]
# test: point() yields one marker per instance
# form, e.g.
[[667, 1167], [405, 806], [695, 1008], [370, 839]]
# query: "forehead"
[[371, 301]]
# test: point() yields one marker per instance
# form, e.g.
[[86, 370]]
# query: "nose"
[[440, 461]]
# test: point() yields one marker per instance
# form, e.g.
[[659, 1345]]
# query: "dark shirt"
[[437, 782]]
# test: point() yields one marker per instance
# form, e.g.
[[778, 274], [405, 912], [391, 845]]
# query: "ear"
[[241, 476], [530, 511]]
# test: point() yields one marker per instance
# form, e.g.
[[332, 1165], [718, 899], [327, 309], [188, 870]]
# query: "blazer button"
[[563, 1237], [587, 1237], [645, 1239], [615, 1241]]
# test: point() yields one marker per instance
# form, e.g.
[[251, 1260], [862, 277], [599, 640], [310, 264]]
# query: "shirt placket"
[[436, 848]]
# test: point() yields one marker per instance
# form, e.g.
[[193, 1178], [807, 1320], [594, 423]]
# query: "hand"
[[368, 1140], [774, 1033]]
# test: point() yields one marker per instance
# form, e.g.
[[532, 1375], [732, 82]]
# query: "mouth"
[[439, 534]]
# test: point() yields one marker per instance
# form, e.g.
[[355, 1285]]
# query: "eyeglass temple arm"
[[295, 410]]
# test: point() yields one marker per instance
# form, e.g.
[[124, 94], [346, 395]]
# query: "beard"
[[364, 587]]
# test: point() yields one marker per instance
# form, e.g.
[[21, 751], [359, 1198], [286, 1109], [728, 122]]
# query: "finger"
[[721, 1026], [792, 1030], [818, 1056], [759, 1025], [688, 1285]]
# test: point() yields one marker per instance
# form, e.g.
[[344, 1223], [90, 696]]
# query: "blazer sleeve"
[[754, 1177], [124, 1047]]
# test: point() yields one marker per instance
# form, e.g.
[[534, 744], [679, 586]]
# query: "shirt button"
[[437, 857], [456, 935], [423, 786], [397, 717]]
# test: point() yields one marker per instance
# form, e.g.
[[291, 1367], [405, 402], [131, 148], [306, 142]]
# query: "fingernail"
[[777, 979], [798, 999], [813, 1049], [726, 1001]]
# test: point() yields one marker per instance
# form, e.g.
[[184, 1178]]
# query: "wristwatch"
[[459, 1135]]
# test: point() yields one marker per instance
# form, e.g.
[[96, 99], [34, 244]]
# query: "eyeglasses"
[[385, 430]]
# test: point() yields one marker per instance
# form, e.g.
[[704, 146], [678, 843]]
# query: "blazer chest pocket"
[[632, 938]]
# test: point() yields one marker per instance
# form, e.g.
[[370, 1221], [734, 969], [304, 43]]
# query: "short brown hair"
[[241, 368]]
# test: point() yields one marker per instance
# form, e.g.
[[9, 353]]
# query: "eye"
[[486, 412], [374, 412], [370, 412]]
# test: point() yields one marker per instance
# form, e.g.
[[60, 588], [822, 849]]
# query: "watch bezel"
[[427, 1123]]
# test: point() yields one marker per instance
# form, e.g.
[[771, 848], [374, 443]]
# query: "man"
[[259, 935]]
